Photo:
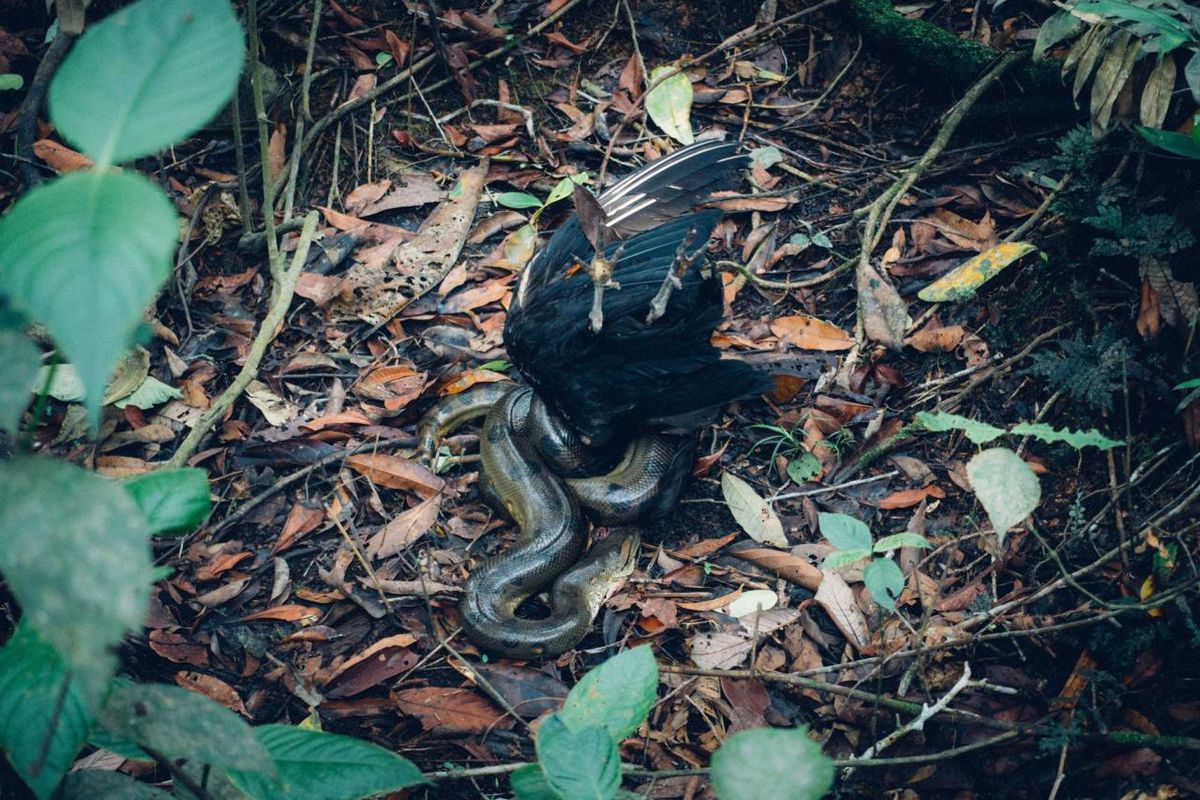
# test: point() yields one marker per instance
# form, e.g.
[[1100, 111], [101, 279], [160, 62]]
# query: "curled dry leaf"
[[788, 566]]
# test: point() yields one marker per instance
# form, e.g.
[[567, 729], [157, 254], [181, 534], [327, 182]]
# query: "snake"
[[535, 472]]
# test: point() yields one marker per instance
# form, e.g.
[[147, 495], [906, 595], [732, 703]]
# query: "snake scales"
[[537, 471]]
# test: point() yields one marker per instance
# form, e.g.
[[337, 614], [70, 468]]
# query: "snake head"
[[607, 564]]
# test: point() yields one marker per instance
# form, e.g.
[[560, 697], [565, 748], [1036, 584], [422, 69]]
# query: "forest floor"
[[327, 577]]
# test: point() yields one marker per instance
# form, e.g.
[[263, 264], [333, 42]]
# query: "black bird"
[[615, 353]]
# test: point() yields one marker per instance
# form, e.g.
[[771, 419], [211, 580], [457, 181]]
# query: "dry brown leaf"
[[725, 650], [384, 659], [404, 529], [834, 595], [214, 689], [907, 498], [276, 149], [787, 566], [977, 236], [478, 296], [61, 157], [810, 333], [760, 203], [395, 472], [446, 711], [712, 604], [290, 612], [883, 312], [466, 380], [935, 338]]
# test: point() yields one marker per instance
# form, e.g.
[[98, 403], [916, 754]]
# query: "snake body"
[[521, 481]]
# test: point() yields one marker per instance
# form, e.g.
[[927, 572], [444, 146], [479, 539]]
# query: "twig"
[[281, 301], [35, 98], [835, 488]]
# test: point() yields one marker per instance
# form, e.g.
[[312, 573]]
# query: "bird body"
[[633, 373]]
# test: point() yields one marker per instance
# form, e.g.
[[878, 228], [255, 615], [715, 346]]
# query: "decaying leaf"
[[963, 281], [669, 103], [754, 514], [835, 596], [810, 333]]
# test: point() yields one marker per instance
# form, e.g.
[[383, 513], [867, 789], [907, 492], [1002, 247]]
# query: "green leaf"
[[775, 763], [1005, 485], [152, 392], [499, 365], [1060, 26], [754, 514], [73, 550], [804, 468], [314, 765], [177, 723], [898, 540], [669, 103], [617, 695], [43, 718], [1077, 439], [88, 784], [842, 558], [1194, 383], [1173, 32], [11, 82], [939, 422], [20, 360], [566, 187], [172, 501], [884, 581], [518, 200], [845, 532], [65, 383], [1191, 75], [528, 782], [1177, 143], [84, 255], [147, 76], [578, 764]]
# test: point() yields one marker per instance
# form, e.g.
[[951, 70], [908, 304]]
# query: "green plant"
[[1089, 373], [82, 256], [577, 746], [523, 200], [851, 539], [1006, 487], [802, 465], [1192, 387]]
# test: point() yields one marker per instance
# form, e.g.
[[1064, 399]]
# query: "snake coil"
[[525, 452]]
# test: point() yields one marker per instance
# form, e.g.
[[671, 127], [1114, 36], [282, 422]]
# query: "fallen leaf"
[[395, 472], [962, 282], [382, 660], [214, 689], [669, 102], [907, 498], [835, 596], [754, 514], [61, 157], [285, 613], [725, 650], [404, 529], [811, 333], [447, 711], [277, 411], [935, 338]]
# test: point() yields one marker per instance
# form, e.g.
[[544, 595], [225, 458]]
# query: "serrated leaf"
[[963, 281], [775, 763], [1077, 439], [20, 361], [940, 422], [171, 501], [518, 200], [669, 103], [842, 558], [89, 784], [884, 581], [844, 531], [84, 255], [42, 725], [578, 764], [754, 514], [1060, 26], [617, 695], [150, 393], [1006, 487], [74, 551], [181, 724], [314, 765], [146, 76], [897, 540]]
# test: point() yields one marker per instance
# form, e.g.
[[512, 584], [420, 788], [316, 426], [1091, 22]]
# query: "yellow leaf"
[[961, 282]]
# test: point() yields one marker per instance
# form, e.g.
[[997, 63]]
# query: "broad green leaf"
[[963, 281], [84, 255], [171, 501], [147, 76], [518, 200], [884, 581], [774, 763], [842, 558], [617, 695], [669, 103], [754, 514], [74, 551], [804, 468], [529, 783], [1173, 32], [940, 422], [1060, 26], [180, 724], [314, 765], [1005, 485], [1191, 75], [566, 186], [89, 784], [845, 532], [1177, 143], [898, 540], [1077, 439], [43, 718], [20, 360], [152, 392], [581, 764]]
